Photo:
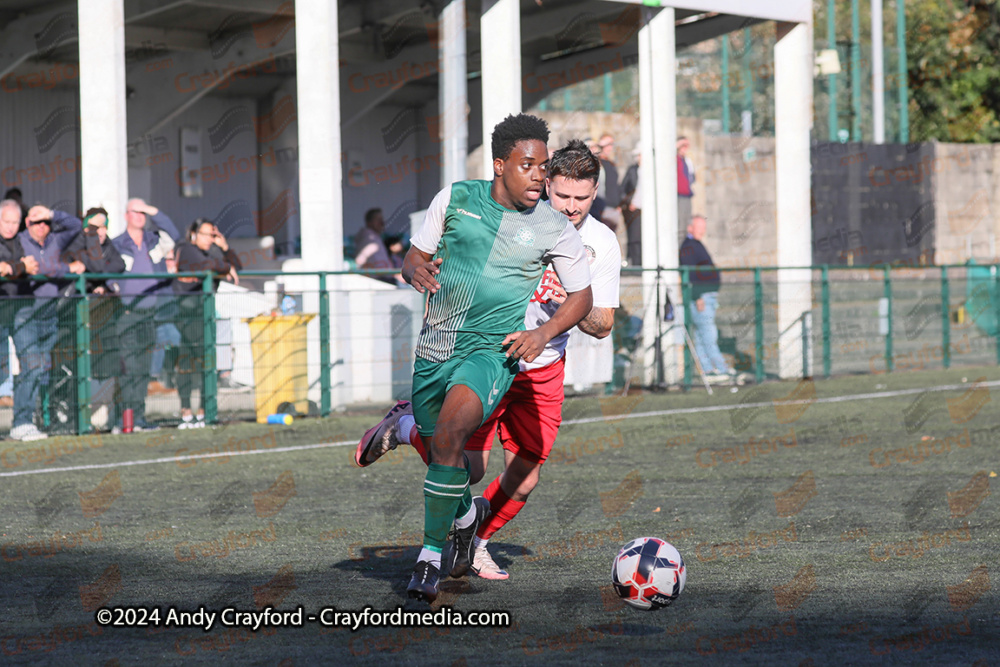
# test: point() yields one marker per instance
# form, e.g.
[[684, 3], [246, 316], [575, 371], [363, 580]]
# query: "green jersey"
[[493, 260]]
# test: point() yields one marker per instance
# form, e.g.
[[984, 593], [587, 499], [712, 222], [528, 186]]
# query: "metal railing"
[[875, 319]]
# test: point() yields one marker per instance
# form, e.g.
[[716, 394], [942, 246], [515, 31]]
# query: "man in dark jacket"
[[705, 283], [98, 253], [209, 252], [143, 247], [36, 324], [13, 266]]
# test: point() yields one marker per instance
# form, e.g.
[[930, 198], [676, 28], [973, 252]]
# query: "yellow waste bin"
[[280, 362]]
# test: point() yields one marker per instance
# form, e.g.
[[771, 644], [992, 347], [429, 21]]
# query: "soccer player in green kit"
[[480, 255]]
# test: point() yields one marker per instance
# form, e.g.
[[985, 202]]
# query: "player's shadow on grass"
[[394, 564]]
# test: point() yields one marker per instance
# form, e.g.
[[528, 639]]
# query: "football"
[[648, 573]]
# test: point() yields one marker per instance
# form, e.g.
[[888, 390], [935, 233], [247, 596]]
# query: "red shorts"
[[528, 417]]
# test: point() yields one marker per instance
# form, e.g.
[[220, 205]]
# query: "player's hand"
[[558, 293], [423, 277], [700, 305], [526, 345]]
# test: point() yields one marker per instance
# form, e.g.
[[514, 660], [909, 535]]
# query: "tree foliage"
[[953, 50]]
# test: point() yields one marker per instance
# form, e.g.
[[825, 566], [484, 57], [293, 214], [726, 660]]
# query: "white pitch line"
[[174, 459], [830, 399], [568, 422]]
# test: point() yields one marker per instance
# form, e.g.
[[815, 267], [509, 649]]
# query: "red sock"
[[418, 444], [502, 510]]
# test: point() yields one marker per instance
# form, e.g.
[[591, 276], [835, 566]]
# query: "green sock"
[[446, 488]]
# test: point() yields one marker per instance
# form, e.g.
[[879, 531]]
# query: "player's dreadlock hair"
[[575, 161], [513, 129]]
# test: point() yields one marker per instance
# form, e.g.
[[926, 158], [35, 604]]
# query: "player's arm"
[[598, 322], [419, 269], [605, 281], [419, 265], [527, 345]]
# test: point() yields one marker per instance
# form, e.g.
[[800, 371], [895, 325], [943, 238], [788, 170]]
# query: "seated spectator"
[[372, 252], [36, 323], [209, 252]]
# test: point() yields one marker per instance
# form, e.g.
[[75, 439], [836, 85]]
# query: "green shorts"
[[487, 372]]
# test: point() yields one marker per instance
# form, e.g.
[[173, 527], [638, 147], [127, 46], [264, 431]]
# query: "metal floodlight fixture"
[[827, 62]]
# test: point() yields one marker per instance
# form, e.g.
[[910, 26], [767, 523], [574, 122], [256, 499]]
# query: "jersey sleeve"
[[569, 260], [605, 274], [432, 230]]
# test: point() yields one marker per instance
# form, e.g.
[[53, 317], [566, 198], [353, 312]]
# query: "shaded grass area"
[[857, 531]]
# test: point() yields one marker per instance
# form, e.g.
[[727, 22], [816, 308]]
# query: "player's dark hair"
[[575, 161], [513, 129]]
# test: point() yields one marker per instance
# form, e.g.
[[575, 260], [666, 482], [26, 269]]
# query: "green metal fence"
[[853, 320]]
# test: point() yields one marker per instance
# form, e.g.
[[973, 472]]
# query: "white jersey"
[[605, 259]]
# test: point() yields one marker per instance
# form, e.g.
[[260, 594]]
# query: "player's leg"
[[507, 495], [399, 427], [447, 497], [528, 430]]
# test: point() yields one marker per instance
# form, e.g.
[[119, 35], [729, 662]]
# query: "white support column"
[[793, 81], [103, 143], [878, 73], [453, 127], [501, 56], [320, 173], [658, 171], [321, 207]]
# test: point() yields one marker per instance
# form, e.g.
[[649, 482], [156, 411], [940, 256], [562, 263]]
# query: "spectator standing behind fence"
[[705, 281], [98, 254], [685, 179], [36, 323], [631, 205], [168, 341], [208, 252], [144, 251], [14, 265], [14, 194]]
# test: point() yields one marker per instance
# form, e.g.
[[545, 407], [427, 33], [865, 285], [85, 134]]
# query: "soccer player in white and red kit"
[[527, 419]]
